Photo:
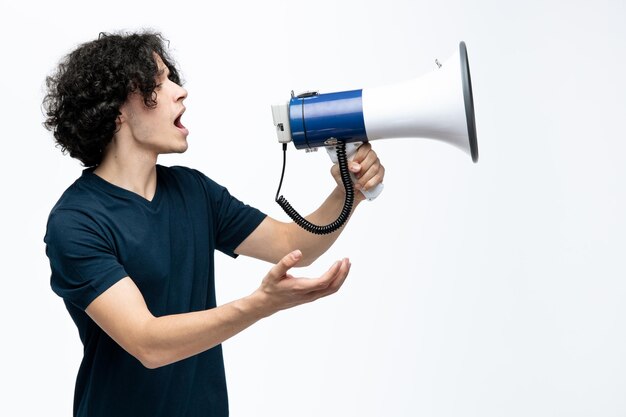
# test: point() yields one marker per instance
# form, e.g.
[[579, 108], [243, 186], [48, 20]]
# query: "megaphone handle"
[[351, 149]]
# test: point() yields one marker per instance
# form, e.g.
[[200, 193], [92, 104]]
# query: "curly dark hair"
[[92, 82]]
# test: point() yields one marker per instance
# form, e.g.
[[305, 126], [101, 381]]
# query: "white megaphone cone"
[[438, 105]]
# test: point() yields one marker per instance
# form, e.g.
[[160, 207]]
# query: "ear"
[[122, 115]]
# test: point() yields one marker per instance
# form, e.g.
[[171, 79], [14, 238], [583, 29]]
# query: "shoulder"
[[78, 198], [81, 209]]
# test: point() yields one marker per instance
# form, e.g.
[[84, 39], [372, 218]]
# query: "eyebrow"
[[162, 71]]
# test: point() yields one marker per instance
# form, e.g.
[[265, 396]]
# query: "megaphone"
[[438, 105]]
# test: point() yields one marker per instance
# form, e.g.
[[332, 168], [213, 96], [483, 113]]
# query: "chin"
[[182, 148]]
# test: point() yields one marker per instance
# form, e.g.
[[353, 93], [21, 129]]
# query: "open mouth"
[[177, 122], [179, 125]]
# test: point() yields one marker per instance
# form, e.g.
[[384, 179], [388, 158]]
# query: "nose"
[[182, 93]]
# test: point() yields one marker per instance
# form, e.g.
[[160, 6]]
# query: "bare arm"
[[122, 313], [272, 238]]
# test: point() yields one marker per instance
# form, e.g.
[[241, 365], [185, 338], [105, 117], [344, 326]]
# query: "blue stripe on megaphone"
[[316, 118]]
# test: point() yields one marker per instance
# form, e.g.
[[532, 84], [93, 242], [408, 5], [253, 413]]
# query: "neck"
[[133, 171]]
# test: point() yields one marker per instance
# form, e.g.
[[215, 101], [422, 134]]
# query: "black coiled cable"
[[347, 205]]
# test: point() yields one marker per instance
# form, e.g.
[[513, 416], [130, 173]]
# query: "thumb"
[[289, 261]]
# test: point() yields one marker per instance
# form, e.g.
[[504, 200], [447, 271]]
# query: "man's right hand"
[[122, 313], [280, 290]]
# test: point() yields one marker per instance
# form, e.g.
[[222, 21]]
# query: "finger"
[[360, 156], [335, 284], [366, 163], [362, 152], [340, 278], [326, 280], [369, 168], [372, 177], [285, 264], [307, 285]]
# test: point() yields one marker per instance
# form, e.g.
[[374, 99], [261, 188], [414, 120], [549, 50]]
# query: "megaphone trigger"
[[351, 149]]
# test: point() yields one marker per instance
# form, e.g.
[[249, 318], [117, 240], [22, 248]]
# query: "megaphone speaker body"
[[438, 105]]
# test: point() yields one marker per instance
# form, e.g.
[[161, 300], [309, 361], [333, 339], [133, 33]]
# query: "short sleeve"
[[82, 259], [234, 220]]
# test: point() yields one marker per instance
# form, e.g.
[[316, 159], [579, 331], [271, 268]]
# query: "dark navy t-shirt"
[[99, 233]]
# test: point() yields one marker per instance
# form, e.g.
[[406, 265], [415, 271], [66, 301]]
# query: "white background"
[[494, 289]]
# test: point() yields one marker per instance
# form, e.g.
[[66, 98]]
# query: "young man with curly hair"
[[131, 242]]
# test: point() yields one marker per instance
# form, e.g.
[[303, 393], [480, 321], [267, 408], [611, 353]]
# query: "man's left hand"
[[367, 169]]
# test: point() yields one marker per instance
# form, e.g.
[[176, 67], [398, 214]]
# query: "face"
[[157, 130]]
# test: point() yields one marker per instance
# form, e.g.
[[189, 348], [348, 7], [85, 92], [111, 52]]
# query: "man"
[[131, 242]]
